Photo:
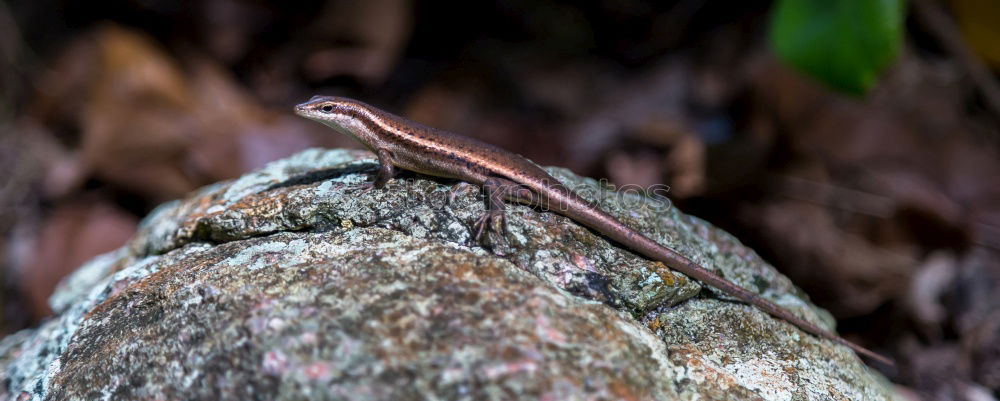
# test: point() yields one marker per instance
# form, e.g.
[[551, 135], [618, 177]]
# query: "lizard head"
[[325, 109], [342, 114]]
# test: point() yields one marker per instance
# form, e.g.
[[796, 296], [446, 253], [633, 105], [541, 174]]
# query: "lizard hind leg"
[[495, 218]]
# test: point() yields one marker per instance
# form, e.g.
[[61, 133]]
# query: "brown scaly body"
[[399, 142]]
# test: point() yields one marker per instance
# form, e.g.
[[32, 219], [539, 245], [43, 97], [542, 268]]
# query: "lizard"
[[507, 176]]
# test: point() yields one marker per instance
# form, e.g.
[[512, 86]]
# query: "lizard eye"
[[327, 108]]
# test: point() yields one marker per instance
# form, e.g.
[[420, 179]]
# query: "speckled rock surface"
[[289, 284]]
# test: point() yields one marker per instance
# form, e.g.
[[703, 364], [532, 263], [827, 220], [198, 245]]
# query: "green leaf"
[[845, 44]]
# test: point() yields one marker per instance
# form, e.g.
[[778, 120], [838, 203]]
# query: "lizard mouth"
[[309, 109], [305, 110]]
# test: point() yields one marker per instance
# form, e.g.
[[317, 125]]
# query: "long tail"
[[688, 267], [582, 211]]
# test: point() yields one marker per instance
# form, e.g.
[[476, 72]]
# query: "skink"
[[504, 175]]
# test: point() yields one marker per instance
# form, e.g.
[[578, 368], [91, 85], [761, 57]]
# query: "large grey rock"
[[290, 284]]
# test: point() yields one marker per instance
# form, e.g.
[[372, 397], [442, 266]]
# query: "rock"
[[289, 283]]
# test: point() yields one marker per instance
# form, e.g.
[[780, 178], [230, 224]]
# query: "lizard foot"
[[361, 188], [492, 220]]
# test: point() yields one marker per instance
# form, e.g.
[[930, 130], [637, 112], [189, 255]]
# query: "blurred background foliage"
[[846, 44], [853, 144]]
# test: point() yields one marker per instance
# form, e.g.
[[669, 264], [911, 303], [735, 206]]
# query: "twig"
[[834, 196], [946, 32]]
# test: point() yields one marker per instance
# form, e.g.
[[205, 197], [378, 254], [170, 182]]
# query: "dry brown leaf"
[[154, 128], [979, 21], [69, 236], [362, 39]]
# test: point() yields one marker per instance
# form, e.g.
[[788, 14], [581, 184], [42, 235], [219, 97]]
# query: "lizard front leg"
[[386, 170]]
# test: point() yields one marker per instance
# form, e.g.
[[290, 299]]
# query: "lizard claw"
[[362, 187], [488, 222]]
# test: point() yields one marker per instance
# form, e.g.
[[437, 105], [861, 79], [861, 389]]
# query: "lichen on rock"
[[290, 283]]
